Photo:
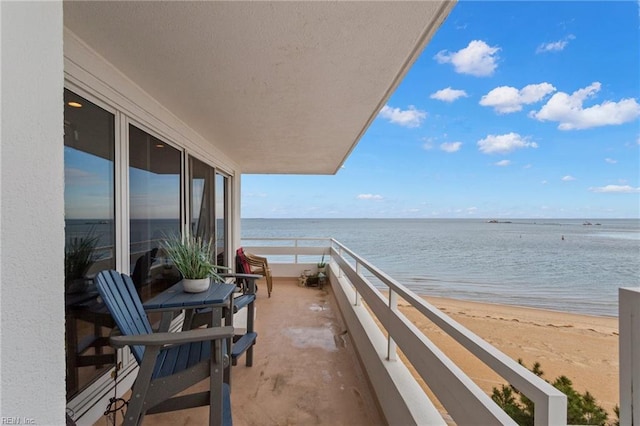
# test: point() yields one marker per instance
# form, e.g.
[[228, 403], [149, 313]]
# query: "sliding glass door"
[[208, 206], [155, 170], [89, 201], [202, 199], [126, 190], [222, 220]]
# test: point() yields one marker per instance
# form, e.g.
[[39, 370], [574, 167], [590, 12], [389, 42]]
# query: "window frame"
[[90, 401]]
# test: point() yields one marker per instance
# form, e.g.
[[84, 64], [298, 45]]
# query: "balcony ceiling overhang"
[[279, 87]]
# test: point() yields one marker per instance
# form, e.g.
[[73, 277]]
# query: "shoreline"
[[582, 347], [610, 310], [498, 305]]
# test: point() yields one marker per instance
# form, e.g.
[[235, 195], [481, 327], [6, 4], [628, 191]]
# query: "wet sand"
[[583, 348]]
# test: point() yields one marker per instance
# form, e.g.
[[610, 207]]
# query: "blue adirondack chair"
[[169, 362]]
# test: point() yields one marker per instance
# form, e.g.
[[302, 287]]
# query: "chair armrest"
[[163, 339], [254, 256], [256, 259]]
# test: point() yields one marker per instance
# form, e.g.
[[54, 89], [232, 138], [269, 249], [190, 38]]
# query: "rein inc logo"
[[17, 421]]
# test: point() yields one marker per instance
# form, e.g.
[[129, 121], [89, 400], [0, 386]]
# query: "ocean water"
[[563, 265]]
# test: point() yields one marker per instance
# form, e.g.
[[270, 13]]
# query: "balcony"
[[368, 301], [346, 354]]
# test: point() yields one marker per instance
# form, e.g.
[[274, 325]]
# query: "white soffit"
[[280, 87]]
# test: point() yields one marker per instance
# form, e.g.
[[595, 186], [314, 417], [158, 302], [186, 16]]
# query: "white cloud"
[[411, 117], [503, 163], [451, 146], [428, 143], [478, 59], [610, 160], [620, 189], [568, 178], [506, 99], [570, 113], [503, 144], [449, 94], [554, 46], [80, 177], [369, 197]]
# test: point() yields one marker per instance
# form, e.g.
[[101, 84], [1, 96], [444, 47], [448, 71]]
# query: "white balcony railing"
[[629, 320], [351, 279]]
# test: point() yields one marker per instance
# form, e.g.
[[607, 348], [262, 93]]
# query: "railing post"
[[392, 348], [357, 294], [553, 411], [340, 253], [629, 343], [295, 245]]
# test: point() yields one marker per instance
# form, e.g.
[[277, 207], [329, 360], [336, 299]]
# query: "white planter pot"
[[196, 286]]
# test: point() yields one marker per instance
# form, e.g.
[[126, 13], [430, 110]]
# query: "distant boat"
[[587, 223]]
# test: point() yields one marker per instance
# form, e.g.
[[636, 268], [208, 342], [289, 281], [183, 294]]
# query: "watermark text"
[[17, 420]]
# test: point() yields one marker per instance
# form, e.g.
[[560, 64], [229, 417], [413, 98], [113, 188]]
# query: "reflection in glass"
[[89, 150], [154, 210], [221, 218], [208, 208], [202, 210]]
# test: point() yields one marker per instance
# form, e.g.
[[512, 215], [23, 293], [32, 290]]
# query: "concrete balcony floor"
[[305, 370]]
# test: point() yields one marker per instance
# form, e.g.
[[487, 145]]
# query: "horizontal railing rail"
[[290, 249], [461, 397]]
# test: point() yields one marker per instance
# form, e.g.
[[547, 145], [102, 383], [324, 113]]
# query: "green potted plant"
[[192, 256], [322, 265], [78, 258]]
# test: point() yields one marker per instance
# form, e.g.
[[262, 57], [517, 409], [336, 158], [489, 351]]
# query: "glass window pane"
[[201, 199], [221, 218], [89, 151], [208, 206], [154, 210]]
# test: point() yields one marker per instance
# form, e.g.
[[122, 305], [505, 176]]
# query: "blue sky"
[[513, 110]]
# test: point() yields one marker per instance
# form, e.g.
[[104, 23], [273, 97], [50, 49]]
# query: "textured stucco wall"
[[32, 362]]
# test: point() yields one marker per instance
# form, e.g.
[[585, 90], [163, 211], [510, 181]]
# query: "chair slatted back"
[[119, 294]]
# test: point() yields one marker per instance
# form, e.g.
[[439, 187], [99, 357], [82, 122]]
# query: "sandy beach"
[[583, 348]]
